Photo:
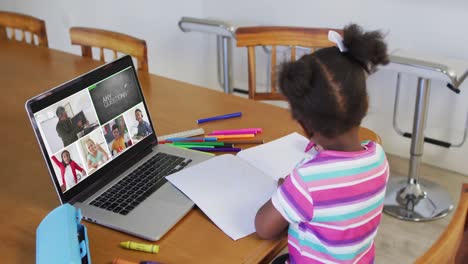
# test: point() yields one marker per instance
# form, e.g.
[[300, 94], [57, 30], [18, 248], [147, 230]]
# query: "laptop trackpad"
[[151, 219]]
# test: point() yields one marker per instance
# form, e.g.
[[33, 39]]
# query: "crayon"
[[140, 246], [123, 261]]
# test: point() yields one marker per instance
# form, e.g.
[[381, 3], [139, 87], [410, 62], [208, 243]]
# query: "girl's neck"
[[348, 141]]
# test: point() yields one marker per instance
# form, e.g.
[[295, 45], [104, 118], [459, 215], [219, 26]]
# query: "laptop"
[[102, 152]]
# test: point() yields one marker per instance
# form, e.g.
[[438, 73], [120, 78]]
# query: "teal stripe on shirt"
[[345, 172], [322, 249], [343, 217]]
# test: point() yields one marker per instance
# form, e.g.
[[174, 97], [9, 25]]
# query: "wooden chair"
[[452, 245], [367, 134], [312, 38], [104, 39], [23, 24], [252, 37]]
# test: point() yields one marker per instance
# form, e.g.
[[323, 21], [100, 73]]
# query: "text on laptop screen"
[[85, 131]]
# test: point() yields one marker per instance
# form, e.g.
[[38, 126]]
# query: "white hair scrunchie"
[[336, 38]]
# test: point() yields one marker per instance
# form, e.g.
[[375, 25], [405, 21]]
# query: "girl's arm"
[[91, 165], [56, 161], [269, 223], [147, 128], [76, 166], [60, 165], [103, 152], [79, 168]]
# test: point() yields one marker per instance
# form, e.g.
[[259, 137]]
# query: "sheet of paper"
[[228, 190], [278, 157]]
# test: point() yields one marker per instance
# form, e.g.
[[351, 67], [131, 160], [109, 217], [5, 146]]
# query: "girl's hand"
[[280, 181]]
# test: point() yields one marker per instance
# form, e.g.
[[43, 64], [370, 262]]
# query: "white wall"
[[171, 53], [427, 26]]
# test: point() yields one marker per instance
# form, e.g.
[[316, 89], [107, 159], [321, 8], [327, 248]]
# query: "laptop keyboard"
[[130, 191]]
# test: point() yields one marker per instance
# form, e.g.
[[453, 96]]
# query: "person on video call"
[[96, 154], [119, 142], [68, 168], [144, 128], [66, 130]]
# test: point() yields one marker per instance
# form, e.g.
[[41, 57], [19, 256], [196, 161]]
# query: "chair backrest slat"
[[101, 55], [252, 70], [293, 53], [273, 69]]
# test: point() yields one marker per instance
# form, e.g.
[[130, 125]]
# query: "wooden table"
[[27, 193]]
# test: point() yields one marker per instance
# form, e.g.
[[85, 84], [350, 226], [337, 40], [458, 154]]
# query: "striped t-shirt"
[[333, 203]]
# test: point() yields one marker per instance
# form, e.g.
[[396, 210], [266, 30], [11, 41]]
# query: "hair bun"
[[368, 48]]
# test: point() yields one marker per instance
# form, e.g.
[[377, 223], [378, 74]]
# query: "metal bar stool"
[[412, 198], [225, 33]]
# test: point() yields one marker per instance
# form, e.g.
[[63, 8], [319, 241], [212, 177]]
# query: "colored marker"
[[221, 117], [235, 136], [188, 145], [225, 146], [247, 141], [237, 131], [218, 149], [140, 246], [183, 147], [192, 139], [171, 141], [208, 143]]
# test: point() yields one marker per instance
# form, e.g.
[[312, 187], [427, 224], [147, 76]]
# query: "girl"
[[68, 169], [332, 202], [96, 155]]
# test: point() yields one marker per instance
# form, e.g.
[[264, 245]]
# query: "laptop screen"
[[84, 132]]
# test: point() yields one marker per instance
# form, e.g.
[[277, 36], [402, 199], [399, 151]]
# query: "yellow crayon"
[[140, 246]]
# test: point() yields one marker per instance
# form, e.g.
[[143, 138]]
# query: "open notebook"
[[230, 189]]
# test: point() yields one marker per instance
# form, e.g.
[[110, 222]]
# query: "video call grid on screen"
[[114, 100]]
